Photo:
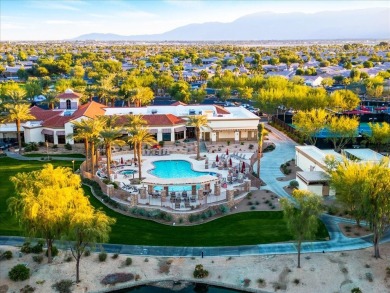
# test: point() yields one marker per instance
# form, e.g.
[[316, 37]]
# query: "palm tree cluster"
[[107, 132]]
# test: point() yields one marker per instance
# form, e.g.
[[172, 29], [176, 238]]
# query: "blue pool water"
[[176, 169], [127, 172], [189, 289]]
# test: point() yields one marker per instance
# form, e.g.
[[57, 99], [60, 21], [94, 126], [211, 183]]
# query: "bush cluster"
[[102, 256], [63, 286], [6, 255], [285, 169], [27, 248], [32, 146], [152, 214], [128, 261], [200, 272], [68, 146], [96, 188], [210, 212], [38, 258], [19, 273], [113, 279]]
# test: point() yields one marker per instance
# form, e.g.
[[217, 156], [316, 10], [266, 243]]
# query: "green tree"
[[42, 201], [260, 137], [86, 227], [343, 100], [380, 134], [142, 96], [309, 123], [342, 130], [17, 113], [33, 88], [364, 188], [134, 122], [302, 216], [197, 121], [138, 138]]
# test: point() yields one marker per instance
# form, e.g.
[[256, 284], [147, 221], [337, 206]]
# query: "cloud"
[[72, 22], [51, 5]]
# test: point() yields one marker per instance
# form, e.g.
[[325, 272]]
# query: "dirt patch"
[[289, 169], [258, 200], [353, 231]]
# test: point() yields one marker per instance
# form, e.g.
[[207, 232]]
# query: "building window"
[[49, 138], [68, 104], [179, 135], [61, 139], [166, 137]]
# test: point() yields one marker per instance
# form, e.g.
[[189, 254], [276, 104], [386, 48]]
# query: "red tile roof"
[[69, 95], [163, 119], [157, 120], [41, 114], [221, 110], [178, 103], [90, 110], [56, 121]]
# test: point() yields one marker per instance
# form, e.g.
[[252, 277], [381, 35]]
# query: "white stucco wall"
[[33, 135], [305, 163]]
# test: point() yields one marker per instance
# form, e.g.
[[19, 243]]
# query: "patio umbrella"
[[230, 162], [217, 159], [121, 160], [243, 167], [227, 152]]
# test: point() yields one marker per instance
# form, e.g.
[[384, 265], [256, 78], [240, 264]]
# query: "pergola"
[[205, 180]]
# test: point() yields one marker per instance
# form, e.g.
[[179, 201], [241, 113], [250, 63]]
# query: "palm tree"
[[110, 136], [134, 122], [260, 134], [82, 131], [142, 96], [17, 113], [197, 121], [139, 137], [16, 95], [95, 127], [51, 98]]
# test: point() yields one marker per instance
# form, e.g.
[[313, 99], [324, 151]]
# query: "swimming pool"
[[127, 172], [176, 169]]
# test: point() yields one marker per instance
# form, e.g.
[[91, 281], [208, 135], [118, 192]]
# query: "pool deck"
[[173, 205]]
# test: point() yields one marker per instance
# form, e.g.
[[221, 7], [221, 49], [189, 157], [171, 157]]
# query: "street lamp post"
[[73, 165], [47, 149]]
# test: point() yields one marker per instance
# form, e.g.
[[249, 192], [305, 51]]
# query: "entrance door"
[[325, 190], [207, 136]]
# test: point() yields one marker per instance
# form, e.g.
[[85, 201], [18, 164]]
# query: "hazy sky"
[[64, 19]]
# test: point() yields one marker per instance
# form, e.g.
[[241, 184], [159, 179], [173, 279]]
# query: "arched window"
[[68, 104]]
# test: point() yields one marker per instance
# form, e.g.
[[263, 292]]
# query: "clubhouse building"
[[166, 123]]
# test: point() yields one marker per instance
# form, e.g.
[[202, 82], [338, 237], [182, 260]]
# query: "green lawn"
[[55, 155], [238, 229]]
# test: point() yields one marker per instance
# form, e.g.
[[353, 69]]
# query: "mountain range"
[[373, 23]]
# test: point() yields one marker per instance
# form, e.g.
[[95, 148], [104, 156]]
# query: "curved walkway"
[[270, 163]]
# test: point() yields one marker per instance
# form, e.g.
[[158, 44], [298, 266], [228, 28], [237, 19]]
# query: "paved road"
[[270, 170]]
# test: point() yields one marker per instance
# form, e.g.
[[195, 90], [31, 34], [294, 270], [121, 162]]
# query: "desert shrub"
[[250, 203], [224, 209], [137, 277], [68, 147], [102, 256], [87, 252], [261, 282], [55, 146], [37, 258], [181, 220], [146, 260], [369, 277], [68, 258], [19, 273], [54, 251], [115, 255], [356, 290], [37, 248], [257, 203], [63, 286], [27, 289], [200, 272], [247, 282], [26, 248], [6, 255], [113, 279], [128, 261], [164, 268], [293, 184], [296, 281]]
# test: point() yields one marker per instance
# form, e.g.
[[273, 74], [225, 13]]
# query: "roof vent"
[[191, 112], [68, 91]]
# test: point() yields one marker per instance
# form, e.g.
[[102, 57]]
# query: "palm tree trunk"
[[108, 156], [198, 140], [86, 146], [93, 157], [139, 147], [299, 254], [19, 136]]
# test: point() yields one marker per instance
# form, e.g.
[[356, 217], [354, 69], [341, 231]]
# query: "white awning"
[[180, 181], [60, 132], [152, 131], [181, 128], [47, 131], [166, 130]]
